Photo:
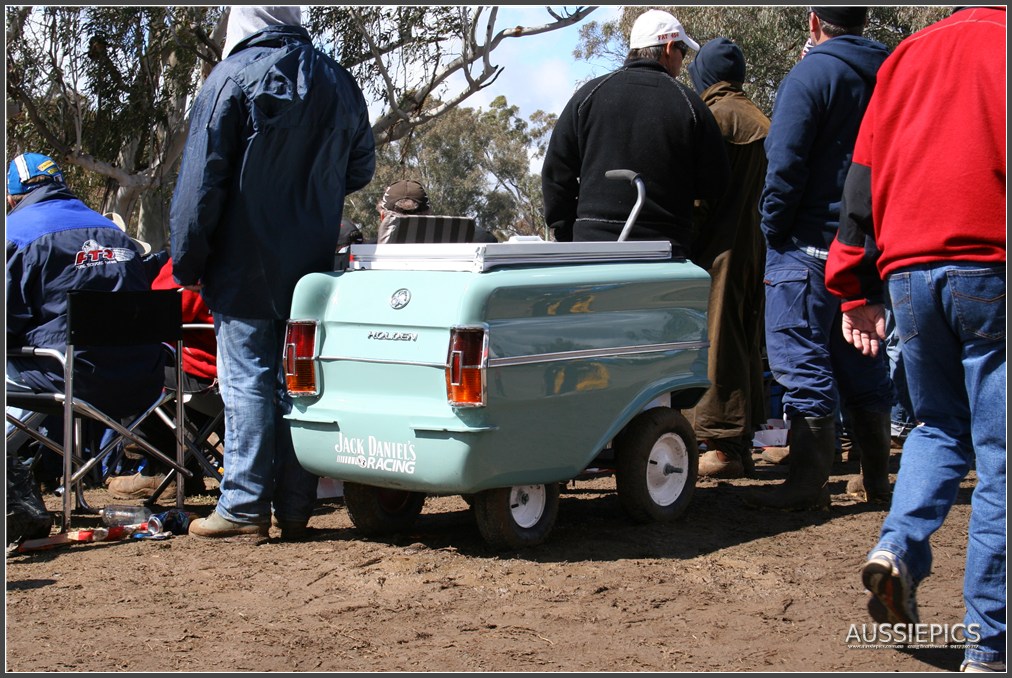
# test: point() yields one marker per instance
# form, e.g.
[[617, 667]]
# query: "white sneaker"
[[971, 666], [893, 599]]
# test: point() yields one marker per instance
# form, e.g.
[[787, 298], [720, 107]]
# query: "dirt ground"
[[727, 588]]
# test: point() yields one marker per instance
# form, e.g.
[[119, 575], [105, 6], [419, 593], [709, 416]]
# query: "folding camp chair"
[[197, 439], [94, 319], [427, 228]]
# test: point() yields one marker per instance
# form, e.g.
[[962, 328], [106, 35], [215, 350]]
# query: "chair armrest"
[[36, 352]]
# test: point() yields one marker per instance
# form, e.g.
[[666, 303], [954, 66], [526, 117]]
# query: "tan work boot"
[[777, 455], [716, 464], [216, 525], [136, 486]]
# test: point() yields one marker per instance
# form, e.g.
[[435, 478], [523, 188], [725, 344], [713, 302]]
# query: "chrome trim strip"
[[546, 357], [379, 361], [597, 353]]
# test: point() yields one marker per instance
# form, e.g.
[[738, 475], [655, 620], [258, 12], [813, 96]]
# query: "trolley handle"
[[641, 195]]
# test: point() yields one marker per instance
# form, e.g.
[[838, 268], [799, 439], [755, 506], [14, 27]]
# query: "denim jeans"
[[261, 469], [902, 419], [805, 346], [951, 323]]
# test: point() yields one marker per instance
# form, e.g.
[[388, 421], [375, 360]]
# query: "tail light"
[[465, 367], [300, 351]]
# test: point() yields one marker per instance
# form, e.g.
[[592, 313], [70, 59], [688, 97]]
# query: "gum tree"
[[107, 90]]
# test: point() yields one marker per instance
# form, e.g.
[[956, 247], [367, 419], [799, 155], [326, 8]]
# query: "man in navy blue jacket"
[[279, 135], [56, 243], [815, 120]]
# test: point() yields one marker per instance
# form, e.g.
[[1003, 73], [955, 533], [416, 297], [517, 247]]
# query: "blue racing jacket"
[[816, 117], [279, 134], [55, 244]]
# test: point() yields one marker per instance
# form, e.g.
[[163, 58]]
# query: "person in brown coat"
[[730, 246]]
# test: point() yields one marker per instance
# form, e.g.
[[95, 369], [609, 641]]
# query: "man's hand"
[[864, 326]]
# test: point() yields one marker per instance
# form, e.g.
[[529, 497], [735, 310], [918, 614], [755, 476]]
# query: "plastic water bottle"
[[123, 514]]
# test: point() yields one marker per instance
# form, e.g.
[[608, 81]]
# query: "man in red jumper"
[[200, 375], [928, 183]]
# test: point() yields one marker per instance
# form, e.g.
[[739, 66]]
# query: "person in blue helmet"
[[56, 243]]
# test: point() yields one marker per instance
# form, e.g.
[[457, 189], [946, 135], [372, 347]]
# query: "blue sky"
[[539, 70]]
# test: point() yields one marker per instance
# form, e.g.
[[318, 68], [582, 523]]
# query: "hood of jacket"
[[277, 69], [246, 21], [56, 190], [862, 55], [718, 60]]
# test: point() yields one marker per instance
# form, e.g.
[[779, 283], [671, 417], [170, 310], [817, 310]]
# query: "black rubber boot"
[[27, 517], [872, 433], [812, 447]]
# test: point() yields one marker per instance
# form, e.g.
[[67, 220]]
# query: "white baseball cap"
[[657, 27]]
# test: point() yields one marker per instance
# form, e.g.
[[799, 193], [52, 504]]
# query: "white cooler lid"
[[478, 257]]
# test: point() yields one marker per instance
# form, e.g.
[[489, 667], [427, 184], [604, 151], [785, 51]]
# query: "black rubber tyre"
[[657, 462], [378, 511], [517, 517]]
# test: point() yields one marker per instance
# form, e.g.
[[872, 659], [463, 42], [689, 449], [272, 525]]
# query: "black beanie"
[[844, 17], [718, 60]]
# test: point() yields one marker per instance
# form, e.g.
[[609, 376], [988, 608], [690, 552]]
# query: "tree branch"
[[397, 123]]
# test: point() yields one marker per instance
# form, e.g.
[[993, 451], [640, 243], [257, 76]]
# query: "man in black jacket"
[[637, 118]]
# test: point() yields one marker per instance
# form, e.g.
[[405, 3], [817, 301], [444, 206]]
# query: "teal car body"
[[574, 348]]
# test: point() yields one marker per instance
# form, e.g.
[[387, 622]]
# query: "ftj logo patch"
[[94, 254]]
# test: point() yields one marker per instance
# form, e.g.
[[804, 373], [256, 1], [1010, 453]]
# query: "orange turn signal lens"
[[299, 358], [465, 367]]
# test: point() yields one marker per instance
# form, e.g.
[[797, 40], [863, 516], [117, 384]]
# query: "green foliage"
[[411, 39], [102, 83], [106, 90]]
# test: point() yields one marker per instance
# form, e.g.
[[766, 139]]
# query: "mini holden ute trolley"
[[500, 372]]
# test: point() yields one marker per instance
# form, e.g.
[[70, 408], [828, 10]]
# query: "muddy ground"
[[727, 588]]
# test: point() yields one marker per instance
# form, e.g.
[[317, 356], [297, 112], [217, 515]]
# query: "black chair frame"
[[101, 318]]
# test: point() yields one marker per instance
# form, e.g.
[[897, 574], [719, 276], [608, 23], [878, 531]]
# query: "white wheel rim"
[[527, 504], [667, 469]]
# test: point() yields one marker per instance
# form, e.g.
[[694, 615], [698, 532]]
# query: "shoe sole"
[[145, 494], [725, 473], [196, 530], [888, 591]]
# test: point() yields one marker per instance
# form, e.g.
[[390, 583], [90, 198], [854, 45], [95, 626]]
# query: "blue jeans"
[[805, 346], [902, 419], [951, 322], [260, 464]]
